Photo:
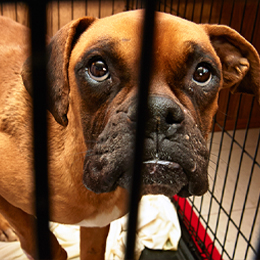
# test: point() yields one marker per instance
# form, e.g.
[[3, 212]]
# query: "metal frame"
[[144, 80], [37, 16]]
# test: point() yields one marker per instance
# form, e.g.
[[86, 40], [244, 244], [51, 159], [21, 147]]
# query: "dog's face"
[[184, 87], [188, 72]]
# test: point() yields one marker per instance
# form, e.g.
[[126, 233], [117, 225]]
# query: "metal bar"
[[210, 149], [86, 7], [185, 9], [211, 9], [253, 226], [178, 8], [127, 6], [99, 9], [232, 13], [37, 11], [217, 164], [255, 22], [248, 185], [241, 158], [199, 212], [201, 10], [72, 10], [221, 12], [113, 6], [243, 17], [257, 257], [165, 6], [171, 6], [58, 3], [239, 145], [144, 80], [226, 177], [229, 219], [193, 10]]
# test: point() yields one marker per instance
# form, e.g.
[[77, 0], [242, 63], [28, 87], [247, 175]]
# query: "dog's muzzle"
[[175, 159]]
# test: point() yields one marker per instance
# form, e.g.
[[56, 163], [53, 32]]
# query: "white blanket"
[[158, 228]]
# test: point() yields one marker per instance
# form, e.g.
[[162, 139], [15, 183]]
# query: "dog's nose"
[[163, 113]]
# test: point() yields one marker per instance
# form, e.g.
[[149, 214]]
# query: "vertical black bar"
[[258, 203], [37, 10], [144, 80], [171, 7], [185, 9], [257, 257], [193, 10], [127, 5], [255, 22], [113, 6], [201, 10], [99, 9], [58, 3], [178, 8], [86, 7], [16, 12], [243, 17], [225, 180], [239, 168], [232, 13], [72, 10], [221, 12], [211, 9], [217, 167]]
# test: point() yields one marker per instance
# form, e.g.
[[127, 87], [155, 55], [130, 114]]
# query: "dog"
[[93, 69]]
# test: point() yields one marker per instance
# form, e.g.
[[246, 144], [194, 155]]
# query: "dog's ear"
[[240, 61], [58, 55]]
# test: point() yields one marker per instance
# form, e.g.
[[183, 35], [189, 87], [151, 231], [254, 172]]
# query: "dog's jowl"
[[93, 67]]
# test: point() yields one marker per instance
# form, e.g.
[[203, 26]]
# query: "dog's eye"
[[202, 74], [98, 70]]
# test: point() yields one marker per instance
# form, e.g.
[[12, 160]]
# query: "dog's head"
[[98, 61]]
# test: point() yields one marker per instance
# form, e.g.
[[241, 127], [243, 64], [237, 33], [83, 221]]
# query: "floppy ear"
[[58, 55], [240, 60]]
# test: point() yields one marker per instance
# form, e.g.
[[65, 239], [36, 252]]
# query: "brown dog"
[[93, 78]]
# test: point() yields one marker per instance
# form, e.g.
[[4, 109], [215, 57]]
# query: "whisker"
[[89, 153], [221, 160], [85, 152]]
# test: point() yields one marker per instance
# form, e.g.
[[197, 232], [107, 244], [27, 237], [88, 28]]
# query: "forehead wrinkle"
[[116, 45], [105, 43], [105, 47], [199, 51], [180, 59]]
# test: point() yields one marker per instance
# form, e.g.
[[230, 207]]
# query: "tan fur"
[[6, 231], [71, 202]]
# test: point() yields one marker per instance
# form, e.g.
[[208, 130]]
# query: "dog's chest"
[[102, 219]]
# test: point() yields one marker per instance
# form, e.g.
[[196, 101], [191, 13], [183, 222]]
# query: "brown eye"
[[98, 70], [202, 75]]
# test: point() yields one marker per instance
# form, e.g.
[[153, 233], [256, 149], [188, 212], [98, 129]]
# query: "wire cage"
[[225, 222]]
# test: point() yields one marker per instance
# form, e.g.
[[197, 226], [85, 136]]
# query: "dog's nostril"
[[170, 119], [174, 117]]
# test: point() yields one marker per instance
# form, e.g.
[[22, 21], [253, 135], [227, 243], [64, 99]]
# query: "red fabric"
[[198, 233]]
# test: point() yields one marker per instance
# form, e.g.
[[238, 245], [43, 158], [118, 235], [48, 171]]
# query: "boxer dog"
[[93, 76]]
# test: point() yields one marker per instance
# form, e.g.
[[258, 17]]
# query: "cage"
[[224, 223]]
